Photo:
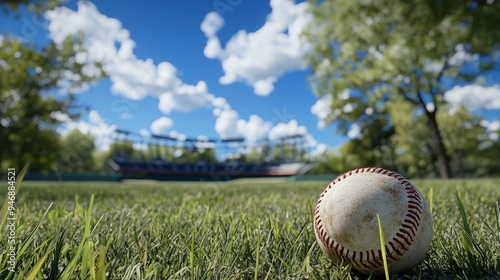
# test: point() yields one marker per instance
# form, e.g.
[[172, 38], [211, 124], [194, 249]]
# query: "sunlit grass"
[[226, 231]]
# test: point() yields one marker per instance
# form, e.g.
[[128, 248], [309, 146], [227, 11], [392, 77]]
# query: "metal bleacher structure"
[[152, 164]]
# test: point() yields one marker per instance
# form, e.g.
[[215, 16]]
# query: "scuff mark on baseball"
[[346, 228]]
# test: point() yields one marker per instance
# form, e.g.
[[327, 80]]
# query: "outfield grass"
[[237, 230]]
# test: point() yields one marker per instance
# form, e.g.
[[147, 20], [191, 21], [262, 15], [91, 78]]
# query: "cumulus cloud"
[[226, 124], [461, 56], [474, 96], [492, 128], [319, 150], [355, 132], [108, 43], [322, 109], [212, 23], [60, 116], [282, 130], [94, 117], [144, 133], [161, 125], [259, 58], [229, 125], [97, 127]]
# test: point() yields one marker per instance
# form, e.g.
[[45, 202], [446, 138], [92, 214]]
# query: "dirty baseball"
[[346, 225]]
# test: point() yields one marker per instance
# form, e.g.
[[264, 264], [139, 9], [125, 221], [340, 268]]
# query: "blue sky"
[[249, 81], [169, 31]]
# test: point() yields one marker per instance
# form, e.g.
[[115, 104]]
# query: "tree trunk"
[[442, 156]]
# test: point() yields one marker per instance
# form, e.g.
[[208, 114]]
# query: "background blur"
[[412, 87]]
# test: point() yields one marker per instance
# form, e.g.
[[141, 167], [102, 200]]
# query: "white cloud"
[[254, 129], [188, 98], [229, 125], [348, 108], [286, 129], [213, 48], [492, 128], [226, 124], [204, 143], [161, 125], [60, 116], [259, 58], [322, 109], [430, 107], [94, 117], [212, 23], [355, 132], [319, 150], [461, 56], [474, 96], [107, 42], [144, 133], [177, 135], [101, 131]]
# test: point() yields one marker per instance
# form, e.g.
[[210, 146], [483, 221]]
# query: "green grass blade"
[[382, 247], [191, 255], [68, 271], [256, 273], [54, 268], [497, 214], [468, 240], [101, 271], [36, 269], [88, 249], [463, 215], [28, 240]]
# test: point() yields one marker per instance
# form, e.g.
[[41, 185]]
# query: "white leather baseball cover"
[[346, 225]]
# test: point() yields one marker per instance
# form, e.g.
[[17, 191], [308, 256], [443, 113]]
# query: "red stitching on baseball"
[[407, 231], [413, 225], [401, 244], [404, 238], [390, 255], [414, 213], [353, 258], [395, 249], [407, 234], [368, 260], [377, 261], [410, 228], [361, 260]]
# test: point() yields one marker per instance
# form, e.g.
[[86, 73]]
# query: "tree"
[[462, 135], [461, 132], [29, 109], [367, 52], [411, 140], [76, 153]]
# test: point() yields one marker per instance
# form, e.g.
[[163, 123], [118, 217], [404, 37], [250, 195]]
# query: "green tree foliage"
[[76, 153], [29, 76], [464, 137], [37, 6], [259, 154], [122, 149], [411, 141], [375, 50]]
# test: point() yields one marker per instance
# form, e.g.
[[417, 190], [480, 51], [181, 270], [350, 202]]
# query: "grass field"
[[237, 230]]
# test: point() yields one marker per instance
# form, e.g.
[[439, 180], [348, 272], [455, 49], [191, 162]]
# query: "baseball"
[[346, 225]]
